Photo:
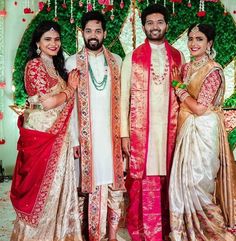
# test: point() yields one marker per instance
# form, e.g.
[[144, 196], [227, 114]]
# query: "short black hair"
[[93, 15], [154, 8], [207, 29]]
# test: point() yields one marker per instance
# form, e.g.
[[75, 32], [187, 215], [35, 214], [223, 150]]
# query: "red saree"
[[38, 153]]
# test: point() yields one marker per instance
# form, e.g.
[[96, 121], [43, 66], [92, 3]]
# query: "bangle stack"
[[177, 84], [182, 94], [69, 92], [180, 90]]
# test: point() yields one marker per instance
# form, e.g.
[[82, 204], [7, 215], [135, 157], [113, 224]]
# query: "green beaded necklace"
[[99, 86]]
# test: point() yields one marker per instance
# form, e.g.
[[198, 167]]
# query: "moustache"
[[158, 30], [93, 39]]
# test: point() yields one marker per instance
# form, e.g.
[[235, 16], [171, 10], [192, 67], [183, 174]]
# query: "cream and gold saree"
[[202, 167]]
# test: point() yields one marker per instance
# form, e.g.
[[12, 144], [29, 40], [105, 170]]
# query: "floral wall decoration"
[[117, 12], [3, 14]]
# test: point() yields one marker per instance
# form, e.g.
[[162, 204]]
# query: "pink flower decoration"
[[2, 85], [64, 5], [201, 14], [90, 7], [2, 141], [41, 5], [104, 2], [3, 13]]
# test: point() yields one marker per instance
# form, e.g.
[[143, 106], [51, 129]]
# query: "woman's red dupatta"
[[36, 163]]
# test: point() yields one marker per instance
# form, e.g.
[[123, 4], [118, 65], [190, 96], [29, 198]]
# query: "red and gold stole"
[[87, 172], [139, 111], [38, 155]]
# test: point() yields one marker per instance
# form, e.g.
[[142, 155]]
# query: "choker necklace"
[[197, 64], [99, 85], [48, 62]]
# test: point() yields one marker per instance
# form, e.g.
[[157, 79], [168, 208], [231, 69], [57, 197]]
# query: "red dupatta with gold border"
[[139, 111], [87, 169], [38, 155]]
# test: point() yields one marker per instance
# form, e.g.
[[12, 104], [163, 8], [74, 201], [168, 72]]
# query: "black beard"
[[159, 38], [95, 46]]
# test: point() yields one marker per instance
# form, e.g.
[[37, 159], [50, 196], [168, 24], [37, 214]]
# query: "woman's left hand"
[[73, 80], [176, 75]]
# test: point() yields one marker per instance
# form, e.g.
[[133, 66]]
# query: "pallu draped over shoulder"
[[202, 184], [43, 190]]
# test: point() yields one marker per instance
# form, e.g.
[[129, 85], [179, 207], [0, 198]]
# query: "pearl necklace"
[[99, 85]]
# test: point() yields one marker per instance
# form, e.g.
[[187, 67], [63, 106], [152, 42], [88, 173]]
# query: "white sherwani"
[[100, 110]]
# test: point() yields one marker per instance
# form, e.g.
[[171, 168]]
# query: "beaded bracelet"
[[177, 84]]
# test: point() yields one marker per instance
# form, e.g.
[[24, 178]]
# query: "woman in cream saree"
[[202, 191]]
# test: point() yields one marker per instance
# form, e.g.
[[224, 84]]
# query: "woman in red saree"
[[202, 184], [43, 190]]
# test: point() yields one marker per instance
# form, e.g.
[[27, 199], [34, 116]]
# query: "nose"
[[54, 42], [156, 26]]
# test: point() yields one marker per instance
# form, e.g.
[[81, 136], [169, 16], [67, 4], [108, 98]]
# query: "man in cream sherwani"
[[149, 111], [96, 128]]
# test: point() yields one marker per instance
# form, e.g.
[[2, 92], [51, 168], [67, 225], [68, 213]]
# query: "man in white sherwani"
[[96, 128]]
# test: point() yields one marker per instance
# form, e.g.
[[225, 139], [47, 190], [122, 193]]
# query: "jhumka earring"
[[38, 51], [208, 51]]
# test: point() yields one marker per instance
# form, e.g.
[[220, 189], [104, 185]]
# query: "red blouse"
[[37, 79]]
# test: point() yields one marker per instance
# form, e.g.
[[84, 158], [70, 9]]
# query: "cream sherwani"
[[158, 115], [104, 204], [100, 118]]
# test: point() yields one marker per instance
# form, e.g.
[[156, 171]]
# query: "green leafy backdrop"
[[185, 16]]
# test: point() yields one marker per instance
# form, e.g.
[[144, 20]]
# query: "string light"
[[173, 8], [94, 6], [2, 71], [71, 11], [164, 3], [112, 11], [55, 12], [201, 12], [189, 4], [49, 6]]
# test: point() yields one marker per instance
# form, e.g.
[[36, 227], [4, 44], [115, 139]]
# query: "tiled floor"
[[7, 215]]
